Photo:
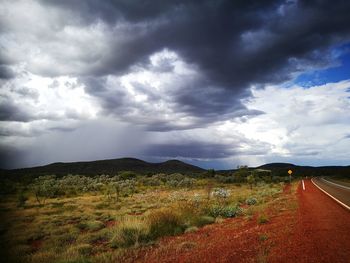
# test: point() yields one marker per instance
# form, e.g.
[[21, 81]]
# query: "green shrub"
[[165, 222], [127, 175], [251, 201], [230, 211], [224, 211], [21, 200], [215, 210]]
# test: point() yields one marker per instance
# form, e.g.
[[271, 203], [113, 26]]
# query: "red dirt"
[[322, 230], [234, 240], [318, 231]]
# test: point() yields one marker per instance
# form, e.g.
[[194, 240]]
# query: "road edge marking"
[[303, 184], [331, 196], [343, 186]]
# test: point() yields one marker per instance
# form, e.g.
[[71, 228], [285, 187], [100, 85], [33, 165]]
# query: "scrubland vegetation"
[[77, 218]]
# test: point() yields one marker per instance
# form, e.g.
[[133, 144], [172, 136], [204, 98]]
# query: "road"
[[322, 231], [338, 190]]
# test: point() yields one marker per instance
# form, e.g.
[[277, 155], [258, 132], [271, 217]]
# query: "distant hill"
[[112, 166], [276, 165], [282, 168]]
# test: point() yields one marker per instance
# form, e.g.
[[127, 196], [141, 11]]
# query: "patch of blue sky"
[[335, 73]]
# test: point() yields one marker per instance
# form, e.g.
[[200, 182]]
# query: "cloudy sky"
[[214, 83]]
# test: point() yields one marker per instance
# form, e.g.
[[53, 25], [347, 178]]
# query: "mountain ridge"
[[108, 166], [113, 166]]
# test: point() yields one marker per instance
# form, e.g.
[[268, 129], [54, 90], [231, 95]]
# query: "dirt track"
[[318, 231]]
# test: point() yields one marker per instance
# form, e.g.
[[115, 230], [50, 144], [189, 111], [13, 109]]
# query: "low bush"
[[164, 222], [251, 201], [203, 220], [230, 211], [127, 175], [220, 193], [224, 211], [21, 200], [215, 210]]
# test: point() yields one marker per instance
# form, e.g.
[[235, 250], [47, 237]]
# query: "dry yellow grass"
[[76, 228]]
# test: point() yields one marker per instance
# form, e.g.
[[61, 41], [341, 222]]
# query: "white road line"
[[303, 184], [331, 196], [336, 184]]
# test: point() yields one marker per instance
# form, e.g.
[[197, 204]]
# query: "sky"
[[213, 83]]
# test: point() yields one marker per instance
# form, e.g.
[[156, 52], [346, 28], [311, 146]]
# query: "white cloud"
[[48, 103], [50, 41], [302, 122], [305, 126]]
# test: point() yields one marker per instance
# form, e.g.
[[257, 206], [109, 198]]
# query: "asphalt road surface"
[[336, 189]]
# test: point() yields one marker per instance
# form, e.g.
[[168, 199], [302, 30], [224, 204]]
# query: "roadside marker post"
[[290, 175]]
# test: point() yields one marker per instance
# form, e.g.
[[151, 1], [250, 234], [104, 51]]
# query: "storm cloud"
[[160, 67]]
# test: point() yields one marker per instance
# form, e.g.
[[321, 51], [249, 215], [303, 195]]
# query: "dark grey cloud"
[[62, 129], [206, 150], [10, 157], [18, 112], [198, 150], [229, 45], [203, 104], [92, 140], [11, 112], [233, 44], [6, 72]]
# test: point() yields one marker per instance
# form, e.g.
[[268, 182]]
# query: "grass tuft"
[[263, 219], [130, 232], [165, 222]]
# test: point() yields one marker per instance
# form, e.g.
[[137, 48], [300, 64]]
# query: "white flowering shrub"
[[220, 193], [177, 196], [197, 198], [224, 211]]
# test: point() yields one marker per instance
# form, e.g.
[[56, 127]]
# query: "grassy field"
[[102, 225]]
